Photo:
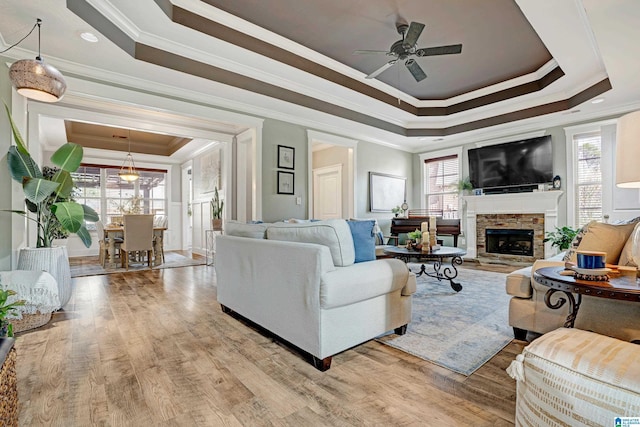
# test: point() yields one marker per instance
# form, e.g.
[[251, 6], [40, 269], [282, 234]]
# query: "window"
[[441, 186], [101, 188], [588, 162]]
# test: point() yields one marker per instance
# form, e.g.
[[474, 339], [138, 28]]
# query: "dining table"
[[114, 230]]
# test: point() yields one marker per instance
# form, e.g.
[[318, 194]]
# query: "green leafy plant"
[[217, 205], [57, 232], [413, 235], [131, 206], [465, 184], [561, 237], [49, 198], [6, 328]]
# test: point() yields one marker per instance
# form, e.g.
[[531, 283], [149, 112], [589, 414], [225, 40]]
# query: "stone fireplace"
[[509, 241], [518, 223], [510, 237]]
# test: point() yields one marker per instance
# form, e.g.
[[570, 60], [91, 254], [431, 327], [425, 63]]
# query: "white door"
[[327, 192]]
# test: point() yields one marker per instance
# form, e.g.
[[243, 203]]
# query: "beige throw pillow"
[[603, 237], [626, 257]]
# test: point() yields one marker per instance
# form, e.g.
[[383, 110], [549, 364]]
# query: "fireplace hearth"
[[509, 241]]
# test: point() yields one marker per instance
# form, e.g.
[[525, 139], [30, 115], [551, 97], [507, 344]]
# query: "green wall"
[[369, 158]]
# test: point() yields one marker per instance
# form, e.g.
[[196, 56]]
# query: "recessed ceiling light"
[[90, 37], [597, 101]]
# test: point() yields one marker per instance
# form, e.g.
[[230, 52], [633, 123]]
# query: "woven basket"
[[30, 321], [9, 391]]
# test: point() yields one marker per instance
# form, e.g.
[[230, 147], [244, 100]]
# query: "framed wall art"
[[386, 191], [285, 182], [286, 157]]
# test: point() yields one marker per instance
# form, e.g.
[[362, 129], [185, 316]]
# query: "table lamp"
[[627, 164]]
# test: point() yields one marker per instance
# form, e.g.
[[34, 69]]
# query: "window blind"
[[441, 186]]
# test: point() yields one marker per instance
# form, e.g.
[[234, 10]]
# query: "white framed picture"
[[386, 191]]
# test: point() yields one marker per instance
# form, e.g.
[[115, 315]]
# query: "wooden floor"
[[153, 348]]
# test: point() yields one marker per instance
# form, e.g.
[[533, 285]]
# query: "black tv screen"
[[517, 163]]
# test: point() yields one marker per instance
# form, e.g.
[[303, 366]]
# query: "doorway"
[[332, 176]]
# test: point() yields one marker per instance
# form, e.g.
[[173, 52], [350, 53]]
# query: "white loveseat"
[[614, 318], [300, 282]]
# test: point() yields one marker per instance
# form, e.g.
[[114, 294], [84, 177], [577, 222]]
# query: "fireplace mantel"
[[545, 202]]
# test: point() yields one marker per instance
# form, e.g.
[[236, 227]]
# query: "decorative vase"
[[55, 261], [216, 224]]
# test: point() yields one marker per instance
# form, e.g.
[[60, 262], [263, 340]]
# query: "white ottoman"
[[571, 377]]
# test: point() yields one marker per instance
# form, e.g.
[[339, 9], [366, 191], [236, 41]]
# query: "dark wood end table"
[[623, 287], [449, 272]]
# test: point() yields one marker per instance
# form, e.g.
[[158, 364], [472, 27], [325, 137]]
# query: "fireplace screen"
[[509, 241]]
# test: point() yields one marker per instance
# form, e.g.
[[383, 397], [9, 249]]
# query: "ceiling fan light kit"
[[35, 79], [405, 49]]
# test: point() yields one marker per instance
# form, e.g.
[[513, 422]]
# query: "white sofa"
[[615, 318], [571, 377], [300, 282]]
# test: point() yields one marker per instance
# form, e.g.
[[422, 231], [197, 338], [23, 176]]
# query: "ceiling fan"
[[405, 50]]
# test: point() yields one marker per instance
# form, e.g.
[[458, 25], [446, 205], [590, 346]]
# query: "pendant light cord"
[[37, 24]]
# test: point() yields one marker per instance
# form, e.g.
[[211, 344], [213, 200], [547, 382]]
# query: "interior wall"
[[560, 160], [203, 193], [277, 207], [5, 180], [381, 159]]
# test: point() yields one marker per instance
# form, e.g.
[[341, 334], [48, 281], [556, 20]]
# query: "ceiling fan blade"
[[440, 50], [381, 69], [368, 52], [416, 71], [412, 34]]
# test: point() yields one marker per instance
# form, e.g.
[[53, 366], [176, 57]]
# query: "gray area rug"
[[459, 331], [90, 266]]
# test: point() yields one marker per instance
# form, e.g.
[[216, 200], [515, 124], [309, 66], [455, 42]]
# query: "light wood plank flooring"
[[153, 348]]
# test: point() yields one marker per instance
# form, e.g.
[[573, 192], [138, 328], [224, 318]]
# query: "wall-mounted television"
[[513, 166]]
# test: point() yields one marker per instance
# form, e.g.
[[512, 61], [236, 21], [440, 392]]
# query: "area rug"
[[462, 330], [90, 266]]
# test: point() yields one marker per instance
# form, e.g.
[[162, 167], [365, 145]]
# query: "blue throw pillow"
[[363, 240]]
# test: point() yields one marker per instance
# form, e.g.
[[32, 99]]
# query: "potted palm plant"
[[561, 237], [49, 206], [217, 206]]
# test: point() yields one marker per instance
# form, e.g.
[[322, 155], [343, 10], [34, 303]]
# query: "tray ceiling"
[[523, 61]]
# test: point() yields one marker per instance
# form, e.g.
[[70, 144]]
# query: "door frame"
[[315, 137]]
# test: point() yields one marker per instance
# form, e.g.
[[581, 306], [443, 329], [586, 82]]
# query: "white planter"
[[55, 261]]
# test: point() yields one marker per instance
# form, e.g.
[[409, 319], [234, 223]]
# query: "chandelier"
[[34, 79], [128, 169]]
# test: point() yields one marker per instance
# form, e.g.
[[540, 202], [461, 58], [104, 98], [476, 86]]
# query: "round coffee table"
[[623, 287], [449, 272]]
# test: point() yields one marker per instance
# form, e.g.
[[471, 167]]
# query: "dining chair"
[[138, 236], [160, 221], [103, 242]]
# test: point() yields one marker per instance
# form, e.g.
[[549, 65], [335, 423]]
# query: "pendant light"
[[34, 79], [128, 170]]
